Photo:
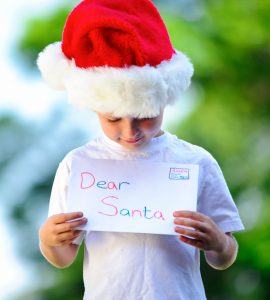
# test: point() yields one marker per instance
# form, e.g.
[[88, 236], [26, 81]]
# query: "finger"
[[197, 225], [190, 214], [67, 236], [193, 242], [63, 238], [64, 217], [69, 242], [69, 226], [194, 234]]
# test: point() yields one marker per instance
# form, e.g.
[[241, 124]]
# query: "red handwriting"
[[112, 210], [88, 180]]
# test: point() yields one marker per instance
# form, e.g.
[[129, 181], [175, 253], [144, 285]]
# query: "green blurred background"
[[229, 115]]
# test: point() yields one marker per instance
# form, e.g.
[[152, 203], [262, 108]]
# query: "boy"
[[116, 58]]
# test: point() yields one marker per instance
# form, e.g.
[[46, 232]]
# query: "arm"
[[226, 257], [56, 236], [201, 231]]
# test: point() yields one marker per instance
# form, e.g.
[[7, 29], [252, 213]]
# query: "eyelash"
[[114, 120]]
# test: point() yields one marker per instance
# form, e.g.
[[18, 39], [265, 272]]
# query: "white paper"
[[132, 196]]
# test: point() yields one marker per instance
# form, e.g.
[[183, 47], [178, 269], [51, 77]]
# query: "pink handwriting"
[[88, 180], [113, 210]]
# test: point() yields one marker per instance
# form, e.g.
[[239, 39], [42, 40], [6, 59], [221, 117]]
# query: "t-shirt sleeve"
[[58, 199], [215, 200]]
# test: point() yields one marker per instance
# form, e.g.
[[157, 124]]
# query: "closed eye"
[[114, 120], [146, 119]]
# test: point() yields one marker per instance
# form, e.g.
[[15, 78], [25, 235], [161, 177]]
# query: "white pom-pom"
[[177, 73], [54, 65]]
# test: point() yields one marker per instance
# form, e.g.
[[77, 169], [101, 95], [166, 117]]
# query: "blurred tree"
[[42, 31], [229, 44], [29, 155], [230, 48]]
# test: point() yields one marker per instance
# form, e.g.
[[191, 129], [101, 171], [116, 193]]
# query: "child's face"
[[129, 132]]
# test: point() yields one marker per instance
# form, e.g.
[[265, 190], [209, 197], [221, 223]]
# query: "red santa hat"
[[116, 57]]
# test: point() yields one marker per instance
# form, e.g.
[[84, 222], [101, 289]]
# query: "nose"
[[130, 128]]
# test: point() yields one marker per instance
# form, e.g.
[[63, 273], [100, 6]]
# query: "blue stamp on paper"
[[179, 174]]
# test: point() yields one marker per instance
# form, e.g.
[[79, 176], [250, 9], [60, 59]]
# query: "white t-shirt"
[[133, 266]]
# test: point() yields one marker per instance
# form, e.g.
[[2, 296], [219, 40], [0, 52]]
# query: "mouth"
[[133, 141]]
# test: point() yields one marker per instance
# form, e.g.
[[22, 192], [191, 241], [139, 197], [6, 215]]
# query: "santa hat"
[[116, 57]]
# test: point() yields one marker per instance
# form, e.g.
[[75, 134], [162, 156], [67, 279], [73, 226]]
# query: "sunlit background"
[[227, 111]]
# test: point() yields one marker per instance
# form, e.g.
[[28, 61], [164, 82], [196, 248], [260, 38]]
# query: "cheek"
[[113, 130], [109, 130], [151, 127]]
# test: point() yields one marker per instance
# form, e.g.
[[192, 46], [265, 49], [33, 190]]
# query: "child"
[[116, 58]]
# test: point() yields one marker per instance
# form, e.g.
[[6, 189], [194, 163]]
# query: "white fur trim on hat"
[[135, 91]]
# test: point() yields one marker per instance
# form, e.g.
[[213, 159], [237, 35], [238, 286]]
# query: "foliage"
[[230, 49], [28, 162], [41, 32], [228, 43]]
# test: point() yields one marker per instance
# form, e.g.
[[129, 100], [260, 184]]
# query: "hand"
[[59, 230], [202, 233]]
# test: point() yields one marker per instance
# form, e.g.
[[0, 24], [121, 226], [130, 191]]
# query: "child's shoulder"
[[191, 153], [87, 150]]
